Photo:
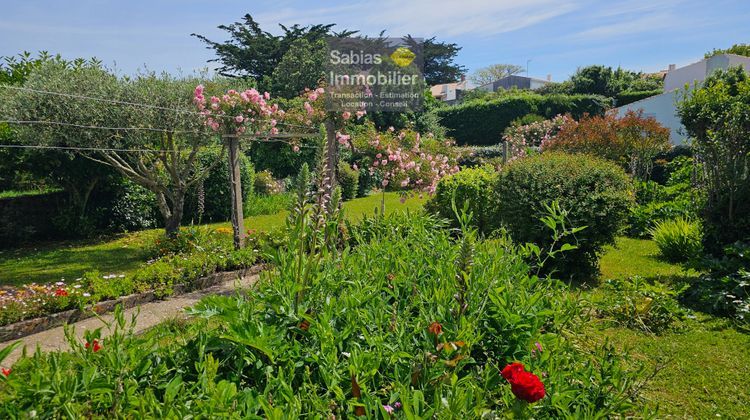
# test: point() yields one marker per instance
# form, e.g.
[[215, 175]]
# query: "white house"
[[451, 92], [663, 107]]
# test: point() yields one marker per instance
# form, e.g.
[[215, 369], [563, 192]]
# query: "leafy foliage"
[[471, 188], [739, 49], [631, 140], [635, 303], [717, 117], [594, 194], [345, 342], [349, 180], [481, 122], [678, 197]]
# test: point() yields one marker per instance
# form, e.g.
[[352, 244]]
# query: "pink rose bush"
[[404, 159], [534, 135], [237, 112]]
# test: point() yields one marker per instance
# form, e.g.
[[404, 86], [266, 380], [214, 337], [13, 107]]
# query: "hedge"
[[628, 97], [482, 122]]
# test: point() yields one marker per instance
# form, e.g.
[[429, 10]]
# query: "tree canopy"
[[136, 125], [738, 49], [494, 72]]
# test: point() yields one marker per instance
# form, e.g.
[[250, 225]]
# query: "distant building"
[[663, 107], [518, 82], [451, 93]]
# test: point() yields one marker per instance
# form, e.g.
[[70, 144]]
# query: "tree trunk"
[[235, 186], [174, 221]]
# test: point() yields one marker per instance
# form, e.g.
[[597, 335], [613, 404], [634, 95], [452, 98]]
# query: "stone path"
[[149, 315]]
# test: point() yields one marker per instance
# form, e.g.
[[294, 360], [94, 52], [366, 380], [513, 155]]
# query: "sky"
[[552, 37]]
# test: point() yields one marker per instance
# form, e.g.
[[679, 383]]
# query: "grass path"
[[706, 359], [125, 253]]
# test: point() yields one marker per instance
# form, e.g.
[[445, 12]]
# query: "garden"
[[571, 263]]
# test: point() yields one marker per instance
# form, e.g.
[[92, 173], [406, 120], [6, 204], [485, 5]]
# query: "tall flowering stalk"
[[232, 115]]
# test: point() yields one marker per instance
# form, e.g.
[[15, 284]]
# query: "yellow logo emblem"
[[403, 56]]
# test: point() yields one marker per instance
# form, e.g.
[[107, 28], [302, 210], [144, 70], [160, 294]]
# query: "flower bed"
[[412, 322], [194, 253]]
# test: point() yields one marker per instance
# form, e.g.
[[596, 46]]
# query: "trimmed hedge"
[[596, 193], [628, 97], [483, 122], [473, 185]]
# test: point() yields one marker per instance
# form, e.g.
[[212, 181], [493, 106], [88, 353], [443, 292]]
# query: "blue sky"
[[556, 35]]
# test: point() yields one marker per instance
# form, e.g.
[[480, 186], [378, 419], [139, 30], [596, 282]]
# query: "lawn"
[[124, 253], [704, 361]]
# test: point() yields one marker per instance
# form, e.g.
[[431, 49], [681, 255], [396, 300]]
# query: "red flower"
[[524, 385], [435, 328], [95, 347], [511, 370], [61, 292], [6, 372]]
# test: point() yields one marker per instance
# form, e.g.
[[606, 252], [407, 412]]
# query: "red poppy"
[[6, 372], [95, 347], [435, 328], [524, 385], [61, 292], [510, 371]]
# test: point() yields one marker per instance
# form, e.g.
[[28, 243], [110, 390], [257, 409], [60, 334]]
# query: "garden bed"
[[32, 326]]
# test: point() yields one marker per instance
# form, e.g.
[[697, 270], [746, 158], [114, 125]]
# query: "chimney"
[[463, 77], [549, 77], [672, 67]]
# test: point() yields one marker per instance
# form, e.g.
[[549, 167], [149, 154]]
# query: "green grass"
[[630, 257], [15, 194], [125, 253], [704, 361]]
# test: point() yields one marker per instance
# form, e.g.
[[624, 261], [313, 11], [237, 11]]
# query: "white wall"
[[678, 78], [697, 72], [663, 108]]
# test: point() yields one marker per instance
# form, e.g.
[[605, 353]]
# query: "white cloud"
[[428, 17]]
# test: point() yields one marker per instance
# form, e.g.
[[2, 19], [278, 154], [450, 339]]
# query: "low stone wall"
[[35, 325]]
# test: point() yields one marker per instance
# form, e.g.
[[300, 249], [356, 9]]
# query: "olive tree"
[[143, 126]]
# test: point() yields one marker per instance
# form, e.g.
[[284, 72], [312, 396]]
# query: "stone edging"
[[32, 326]]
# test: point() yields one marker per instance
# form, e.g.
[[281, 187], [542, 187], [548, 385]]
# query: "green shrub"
[[481, 122], [216, 193], [717, 117], [265, 183], [472, 185], [595, 193], [280, 159], [679, 239], [134, 209], [640, 305], [725, 288], [349, 181], [657, 203]]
